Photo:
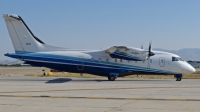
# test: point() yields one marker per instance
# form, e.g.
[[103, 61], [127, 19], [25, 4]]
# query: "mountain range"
[[186, 54]]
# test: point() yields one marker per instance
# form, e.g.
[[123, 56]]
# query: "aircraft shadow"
[[63, 80], [59, 80]]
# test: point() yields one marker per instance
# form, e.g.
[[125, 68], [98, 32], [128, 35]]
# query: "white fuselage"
[[117, 60], [161, 61]]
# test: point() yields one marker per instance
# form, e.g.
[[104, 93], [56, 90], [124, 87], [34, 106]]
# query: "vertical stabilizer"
[[22, 38]]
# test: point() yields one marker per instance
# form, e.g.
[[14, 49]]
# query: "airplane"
[[116, 61]]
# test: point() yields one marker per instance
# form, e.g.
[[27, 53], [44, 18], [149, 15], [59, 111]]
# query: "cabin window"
[[99, 59], [115, 60], [107, 59], [121, 60]]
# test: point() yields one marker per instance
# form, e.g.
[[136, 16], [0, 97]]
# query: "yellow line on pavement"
[[129, 88], [97, 98]]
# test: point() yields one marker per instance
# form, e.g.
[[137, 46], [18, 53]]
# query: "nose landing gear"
[[178, 77]]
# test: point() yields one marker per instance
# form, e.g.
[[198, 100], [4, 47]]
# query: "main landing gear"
[[112, 76], [178, 77]]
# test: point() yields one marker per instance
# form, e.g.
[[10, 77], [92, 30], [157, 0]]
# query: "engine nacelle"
[[126, 53]]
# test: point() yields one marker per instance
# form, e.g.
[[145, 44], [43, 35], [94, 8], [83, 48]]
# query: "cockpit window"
[[174, 59], [180, 59], [177, 59]]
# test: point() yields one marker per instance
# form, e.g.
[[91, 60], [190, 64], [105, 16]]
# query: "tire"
[[178, 79], [111, 78]]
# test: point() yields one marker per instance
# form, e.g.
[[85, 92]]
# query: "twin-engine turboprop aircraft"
[[116, 61]]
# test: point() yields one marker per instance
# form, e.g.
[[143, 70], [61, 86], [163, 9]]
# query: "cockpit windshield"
[[177, 59]]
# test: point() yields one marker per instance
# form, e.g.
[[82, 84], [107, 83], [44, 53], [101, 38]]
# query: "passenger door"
[[162, 62]]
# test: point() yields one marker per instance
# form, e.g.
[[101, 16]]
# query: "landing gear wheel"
[[178, 79], [112, 78]]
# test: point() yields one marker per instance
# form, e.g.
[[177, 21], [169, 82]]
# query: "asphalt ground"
[[61, 94]]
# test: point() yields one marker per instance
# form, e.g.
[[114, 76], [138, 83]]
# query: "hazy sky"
[[95, 24]]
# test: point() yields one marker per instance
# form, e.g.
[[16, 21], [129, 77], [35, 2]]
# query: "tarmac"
[[60, 94]]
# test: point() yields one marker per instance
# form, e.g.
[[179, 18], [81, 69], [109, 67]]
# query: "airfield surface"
[[61, 94]]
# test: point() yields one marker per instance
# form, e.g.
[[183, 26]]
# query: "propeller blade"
[[150, 53], [149, 47]]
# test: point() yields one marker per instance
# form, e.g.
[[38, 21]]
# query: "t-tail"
[[23, 39]]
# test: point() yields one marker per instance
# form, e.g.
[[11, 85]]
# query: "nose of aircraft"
[[190, 69]]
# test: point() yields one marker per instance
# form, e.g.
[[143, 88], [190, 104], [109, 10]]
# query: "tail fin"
[[22, 38]]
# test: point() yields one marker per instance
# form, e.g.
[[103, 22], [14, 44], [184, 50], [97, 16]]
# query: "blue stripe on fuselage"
[[59, 59]]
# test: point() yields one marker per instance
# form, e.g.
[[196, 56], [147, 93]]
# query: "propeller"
[[150, 53]]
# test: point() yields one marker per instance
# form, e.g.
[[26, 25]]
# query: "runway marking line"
[[135, 98], [95, 97], [59, 97], [178, 99], [94, 89], [98, 98]]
